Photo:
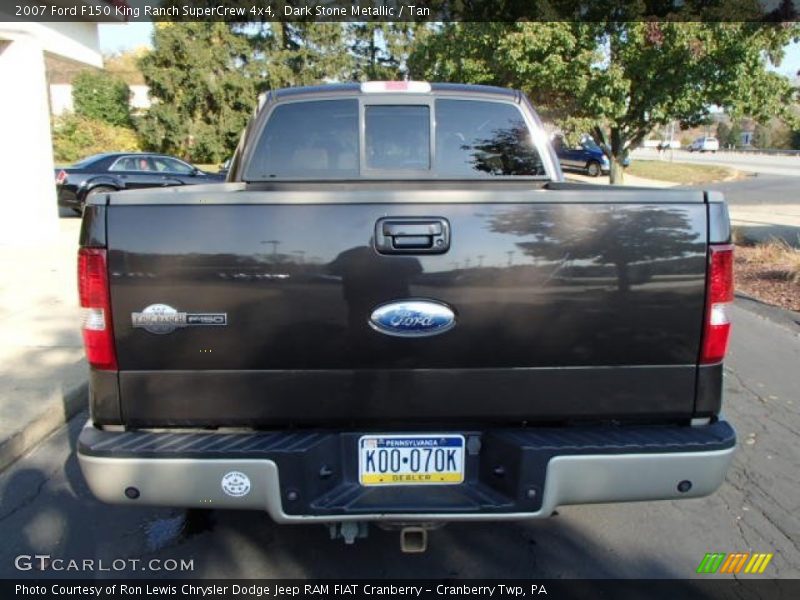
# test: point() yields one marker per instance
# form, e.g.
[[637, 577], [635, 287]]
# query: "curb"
[[55, 412], [787, 319]]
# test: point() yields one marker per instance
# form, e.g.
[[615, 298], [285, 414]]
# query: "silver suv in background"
[[704, 144]]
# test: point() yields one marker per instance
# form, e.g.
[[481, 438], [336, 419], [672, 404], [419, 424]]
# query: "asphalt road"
[[45, 508], [759, 190], [788, 166]]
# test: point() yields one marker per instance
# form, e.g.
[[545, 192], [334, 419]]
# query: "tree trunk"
[[611, 141], [616, 174]]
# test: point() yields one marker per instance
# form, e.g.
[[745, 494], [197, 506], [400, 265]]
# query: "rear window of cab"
[[450, 139]]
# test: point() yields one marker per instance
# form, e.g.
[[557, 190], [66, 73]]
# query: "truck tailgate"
[[567, 303]]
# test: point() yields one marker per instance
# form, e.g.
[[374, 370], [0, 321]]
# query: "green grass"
[[687, 174]]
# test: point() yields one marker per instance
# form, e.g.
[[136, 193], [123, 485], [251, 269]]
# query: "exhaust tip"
[[413, 540]]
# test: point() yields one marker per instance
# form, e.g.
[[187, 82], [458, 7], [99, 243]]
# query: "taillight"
[[61, 178], [93, 289], [717, 325]]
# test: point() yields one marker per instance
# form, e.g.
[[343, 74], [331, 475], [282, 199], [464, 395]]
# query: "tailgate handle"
[[412, 235]]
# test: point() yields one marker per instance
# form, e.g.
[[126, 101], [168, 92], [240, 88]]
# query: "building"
[[26, 155]]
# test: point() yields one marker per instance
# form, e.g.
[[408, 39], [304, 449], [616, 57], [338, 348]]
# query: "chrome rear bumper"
[[123, 478]]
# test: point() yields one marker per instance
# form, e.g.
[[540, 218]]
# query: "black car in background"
[[116, 171]]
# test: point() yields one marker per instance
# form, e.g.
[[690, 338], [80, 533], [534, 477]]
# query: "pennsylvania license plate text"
[[411, 459]]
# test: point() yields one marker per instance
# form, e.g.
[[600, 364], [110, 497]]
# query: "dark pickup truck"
[[395, 310]]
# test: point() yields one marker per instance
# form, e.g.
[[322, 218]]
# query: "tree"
[[205, 77], [202, 92], [762, 136], [125, 65], [75, 137], [101, 96], [723, 133], [796, 139], [781, 135], [603, 236], [734, 138], [539, 59], [288, 54], [625, 78], [379, 50]]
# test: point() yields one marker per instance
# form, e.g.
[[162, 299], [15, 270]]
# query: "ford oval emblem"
[[412, 318]]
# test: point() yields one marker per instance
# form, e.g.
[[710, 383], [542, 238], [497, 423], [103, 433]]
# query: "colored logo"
[[412, 318], [734, 563]]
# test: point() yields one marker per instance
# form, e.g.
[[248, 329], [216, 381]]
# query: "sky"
[[124, 36], [117, 37]]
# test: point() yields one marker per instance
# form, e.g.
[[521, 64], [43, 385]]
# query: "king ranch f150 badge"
[[162, 318]]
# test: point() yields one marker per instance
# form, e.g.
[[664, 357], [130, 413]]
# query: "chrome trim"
[[413, 305], [236, 193], [580, 479]]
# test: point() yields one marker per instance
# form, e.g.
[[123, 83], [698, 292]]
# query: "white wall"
[[60, 98], [140, 97], [77, 40], [28, 200]]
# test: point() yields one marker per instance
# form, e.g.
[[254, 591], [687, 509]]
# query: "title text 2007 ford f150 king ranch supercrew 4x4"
[[395, 310]]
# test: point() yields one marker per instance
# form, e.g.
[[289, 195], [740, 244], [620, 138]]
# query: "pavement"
[[46, 509], [42, 370], [764, 206], [762, 213]]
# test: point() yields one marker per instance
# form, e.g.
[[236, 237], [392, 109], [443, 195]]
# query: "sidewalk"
[[763, 222], [42, 370]]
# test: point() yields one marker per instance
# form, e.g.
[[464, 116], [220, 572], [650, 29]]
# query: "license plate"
[[411, 459]]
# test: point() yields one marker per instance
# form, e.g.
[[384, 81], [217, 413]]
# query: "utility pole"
[[275, 244]]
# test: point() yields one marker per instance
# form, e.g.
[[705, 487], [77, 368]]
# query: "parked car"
[[115, 171], [386, 317], [225, 167], [586, 156], [704, 144]]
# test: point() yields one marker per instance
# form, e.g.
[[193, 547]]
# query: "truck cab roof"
[[392, 87]]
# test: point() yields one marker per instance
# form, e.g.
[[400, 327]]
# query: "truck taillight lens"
[[717, 327], [93, 289], [61, 178]]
